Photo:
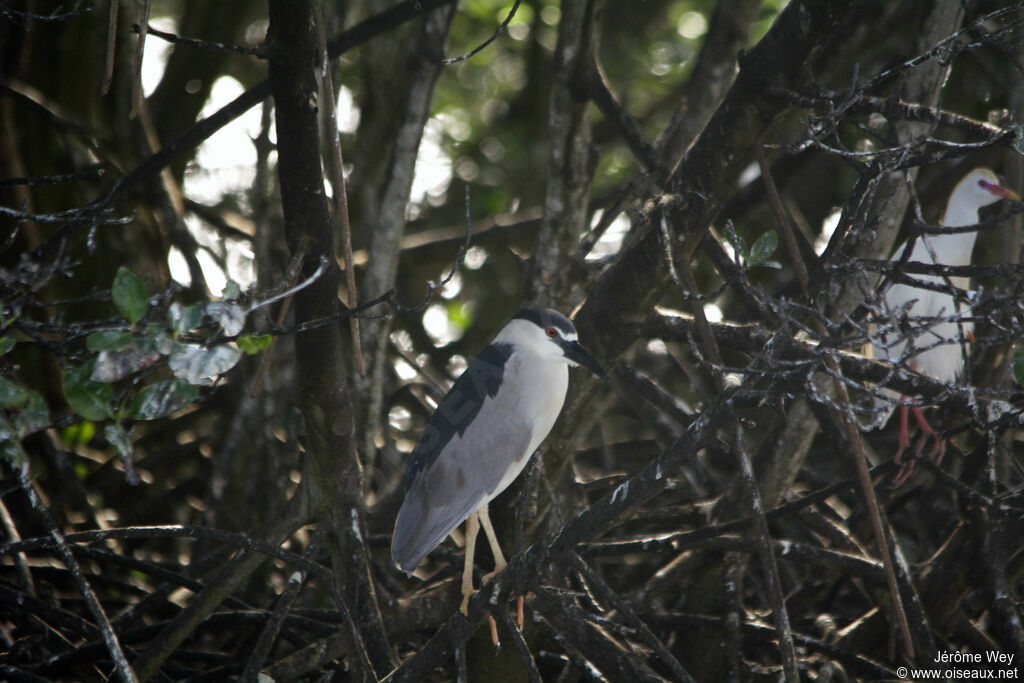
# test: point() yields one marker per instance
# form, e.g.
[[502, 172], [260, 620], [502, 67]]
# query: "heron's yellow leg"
[[492, 538], [472, 529], [499, 564]]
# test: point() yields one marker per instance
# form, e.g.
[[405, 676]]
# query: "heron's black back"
[[460, 405]]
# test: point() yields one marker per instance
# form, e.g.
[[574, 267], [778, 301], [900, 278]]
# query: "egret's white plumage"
[[937, 338]]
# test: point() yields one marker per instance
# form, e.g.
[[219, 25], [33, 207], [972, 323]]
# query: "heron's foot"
[[494, 632], [938, 449], [938, 444], [907, 466], [520, 600], [464, 608], [905, 471], [468, 592], [466, 595], [486, 578]]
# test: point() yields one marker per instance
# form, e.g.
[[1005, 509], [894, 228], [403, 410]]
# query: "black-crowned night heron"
[[937, 336], [482, 435]]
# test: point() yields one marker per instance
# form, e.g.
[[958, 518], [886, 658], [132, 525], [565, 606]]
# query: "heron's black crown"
[[545, 317]]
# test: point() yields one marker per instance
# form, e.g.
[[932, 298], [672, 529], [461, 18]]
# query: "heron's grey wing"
[[469, 444]]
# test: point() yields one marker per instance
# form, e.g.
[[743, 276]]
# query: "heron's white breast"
[[943, 362], [539, 386]]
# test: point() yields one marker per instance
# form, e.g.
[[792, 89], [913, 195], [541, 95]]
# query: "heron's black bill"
[[575, 352]]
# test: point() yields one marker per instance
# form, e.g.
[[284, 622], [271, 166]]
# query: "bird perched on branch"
[[931, 340], [482, 435]]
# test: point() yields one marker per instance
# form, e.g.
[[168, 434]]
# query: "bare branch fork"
[[494, 36]]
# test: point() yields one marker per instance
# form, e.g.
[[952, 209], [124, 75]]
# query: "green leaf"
[[460, 316], [27, 411], [162, 399], [1018, 366], [252, 344], [200, 365], [7, 433], [108, 340], [231, 291], [230, 316], [1018, 142], [738, 245], [157, 340], [5, 319], [35, 416], [12, 395], [6, 344], [115, 433], [10, 449], [78, 434], [183, 319], [763, 248], [111, 366], [129, 295], [89, 399]]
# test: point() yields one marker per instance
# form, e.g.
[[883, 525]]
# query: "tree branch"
[[332, 477]]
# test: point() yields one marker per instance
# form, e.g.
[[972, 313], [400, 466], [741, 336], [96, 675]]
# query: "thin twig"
[[601, 94], [733, 619], [260, 651], [354, 632], [494, 36], [771, 569], [140, 47], [336, 168], [282, 315], [387, 297], [945, 48], [827, 104], [782, 216], [108, 68], [432, 286], [83, 216], [20, 560], [689, 283], [292, 289], [92, 172], [209, 46], [80, 8]]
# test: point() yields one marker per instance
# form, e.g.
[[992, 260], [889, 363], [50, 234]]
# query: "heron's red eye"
[[551, 332]]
